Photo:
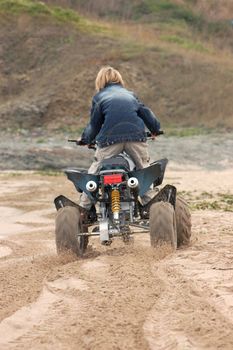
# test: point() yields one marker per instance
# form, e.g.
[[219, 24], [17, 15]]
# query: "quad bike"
[[117, 209]]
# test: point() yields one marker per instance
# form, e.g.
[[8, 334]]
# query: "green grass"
[[27, 6], [187, 195], [48, 172], [12, 173], [206, 195], [131, 50], [41, 140], [166, 10], [208, 201], [73, 131], [227, 198], [37, 8], [187, 131], [184, 42], [206, 205]]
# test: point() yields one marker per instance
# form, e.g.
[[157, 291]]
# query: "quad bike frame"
[[110, 222], [116, 193]]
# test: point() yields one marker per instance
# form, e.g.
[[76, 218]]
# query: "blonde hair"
[[108, 75]]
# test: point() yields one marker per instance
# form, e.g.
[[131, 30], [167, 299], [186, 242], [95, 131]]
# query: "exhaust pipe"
[[132, 182], [91, 186]]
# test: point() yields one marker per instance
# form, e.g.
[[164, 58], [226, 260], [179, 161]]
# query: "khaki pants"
[[138, 151]]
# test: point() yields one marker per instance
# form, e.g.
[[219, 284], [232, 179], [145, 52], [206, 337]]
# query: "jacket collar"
[[112, 84]]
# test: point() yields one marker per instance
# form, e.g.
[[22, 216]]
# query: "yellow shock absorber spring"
[[115, 196]]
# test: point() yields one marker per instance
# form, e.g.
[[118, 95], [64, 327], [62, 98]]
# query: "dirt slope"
[[48, 68]]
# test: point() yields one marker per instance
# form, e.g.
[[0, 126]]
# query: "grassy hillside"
[[176, 57], [210, 9], [210, 20]]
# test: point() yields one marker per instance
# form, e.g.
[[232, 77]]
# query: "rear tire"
[[183, 222], [162, 224], [67, 228]]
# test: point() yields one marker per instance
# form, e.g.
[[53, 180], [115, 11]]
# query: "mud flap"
[[88, 216], [166, 194], [62, 201]]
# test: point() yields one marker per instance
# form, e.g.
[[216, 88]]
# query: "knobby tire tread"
[[67, 226], [183, 222], [162, 224]]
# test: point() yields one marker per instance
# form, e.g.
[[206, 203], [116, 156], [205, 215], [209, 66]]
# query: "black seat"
[[114, 163]]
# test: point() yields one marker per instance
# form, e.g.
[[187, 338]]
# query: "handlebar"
[[92, 146], [81, 143], [149, 134]]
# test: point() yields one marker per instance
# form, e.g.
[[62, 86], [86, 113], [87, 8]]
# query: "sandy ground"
[[118, 297]]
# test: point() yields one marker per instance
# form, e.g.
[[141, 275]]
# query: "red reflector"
[[112, 179]]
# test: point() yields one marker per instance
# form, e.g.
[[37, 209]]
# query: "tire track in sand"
[[196, 309], [102, 305], [133, 298]]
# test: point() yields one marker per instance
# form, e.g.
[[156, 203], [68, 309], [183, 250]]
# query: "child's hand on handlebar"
[[153, 136], [80, 142]]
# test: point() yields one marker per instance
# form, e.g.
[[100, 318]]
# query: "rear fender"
[[80, 180], [151, 175], [163, 164]]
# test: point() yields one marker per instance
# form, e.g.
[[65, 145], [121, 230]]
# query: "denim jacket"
[[118, 116]]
